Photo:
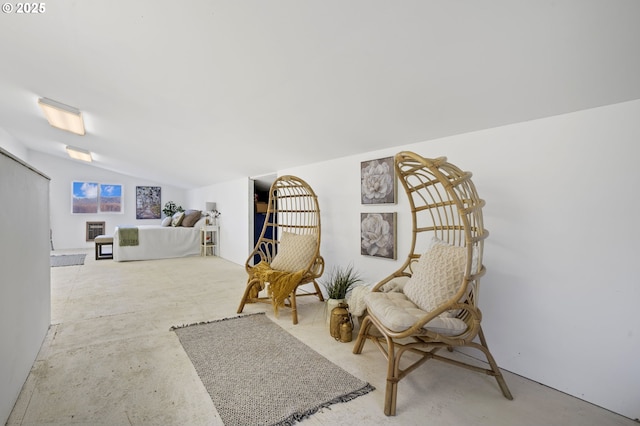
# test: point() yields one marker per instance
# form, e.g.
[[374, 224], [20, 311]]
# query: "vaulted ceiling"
[[198, 92]]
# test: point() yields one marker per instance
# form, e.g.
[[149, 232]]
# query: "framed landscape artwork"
[[378, 235], [110, 198], [84, 197], [148, 205], [93, 197], [378, 181]]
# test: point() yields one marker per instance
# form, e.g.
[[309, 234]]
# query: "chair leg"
[[294, 307], [494, 366], [393, 372], [242, 302], [318, 291], [393, 354], [247, 294], [362, 335], [393, 377]]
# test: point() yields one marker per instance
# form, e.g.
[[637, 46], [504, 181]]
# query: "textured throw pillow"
[[191, 217], [435, 241], [436, 277], [166, 221], [294, 252], [177, 219]]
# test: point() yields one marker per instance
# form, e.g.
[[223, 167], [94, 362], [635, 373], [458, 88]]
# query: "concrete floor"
[[110, 359]]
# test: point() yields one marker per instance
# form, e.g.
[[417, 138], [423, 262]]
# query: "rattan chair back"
[[444, 204]]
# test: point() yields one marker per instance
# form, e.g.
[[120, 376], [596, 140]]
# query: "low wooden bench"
[[101, 241]]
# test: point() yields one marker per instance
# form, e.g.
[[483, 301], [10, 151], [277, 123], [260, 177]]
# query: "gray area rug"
[[259, 374], [67, 259]]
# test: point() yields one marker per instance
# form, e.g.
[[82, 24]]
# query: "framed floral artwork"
[[378, 181], [378, 235], [148, 205]]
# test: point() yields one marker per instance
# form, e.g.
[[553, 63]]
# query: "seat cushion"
[[396, 312], [295, 252], [437, 276]]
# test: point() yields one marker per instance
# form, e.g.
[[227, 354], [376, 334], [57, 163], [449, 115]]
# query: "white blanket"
[[159, 242]]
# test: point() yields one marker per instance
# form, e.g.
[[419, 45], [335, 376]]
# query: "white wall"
[[25, 283], [11, 145], [560, 296], [232, 200], [69, 230]]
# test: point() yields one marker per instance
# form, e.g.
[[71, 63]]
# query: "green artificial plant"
[[340, 281], [170, 208]]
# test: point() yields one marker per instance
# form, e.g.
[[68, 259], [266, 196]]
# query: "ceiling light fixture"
[[79, 154], [62, 116]]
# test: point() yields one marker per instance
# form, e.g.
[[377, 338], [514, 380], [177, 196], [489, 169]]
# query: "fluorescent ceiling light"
[[79, 154], [62, 116]]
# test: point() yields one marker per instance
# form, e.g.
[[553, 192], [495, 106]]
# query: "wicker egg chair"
[[287, 254], [437, 307]]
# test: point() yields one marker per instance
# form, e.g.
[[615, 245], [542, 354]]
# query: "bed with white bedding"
[[158, 242]]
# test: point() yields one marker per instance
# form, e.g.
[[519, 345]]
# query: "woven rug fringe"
[[177, 327], [297, 417]]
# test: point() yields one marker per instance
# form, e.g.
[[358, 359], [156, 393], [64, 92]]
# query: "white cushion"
[[295, 252], [166, 221], [396, 312], [177, 218], [436, 277], [396, 284], [435, 241]]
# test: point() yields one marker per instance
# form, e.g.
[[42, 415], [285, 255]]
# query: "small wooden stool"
[[103, 240]]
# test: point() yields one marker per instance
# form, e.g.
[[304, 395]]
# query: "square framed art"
[[378, 181], [378, 235], [84, 197]]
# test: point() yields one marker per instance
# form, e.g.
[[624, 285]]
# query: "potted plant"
[[338, 284], [170, 208]]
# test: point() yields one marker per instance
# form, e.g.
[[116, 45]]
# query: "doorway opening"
[[261, 187]]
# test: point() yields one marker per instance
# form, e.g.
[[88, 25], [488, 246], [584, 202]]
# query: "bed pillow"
[[177, 218], [436, 277], [294, 252], [166, 221], [191, 217]]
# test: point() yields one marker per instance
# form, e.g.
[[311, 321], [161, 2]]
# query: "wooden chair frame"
[[292, 207], [444, 203]]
